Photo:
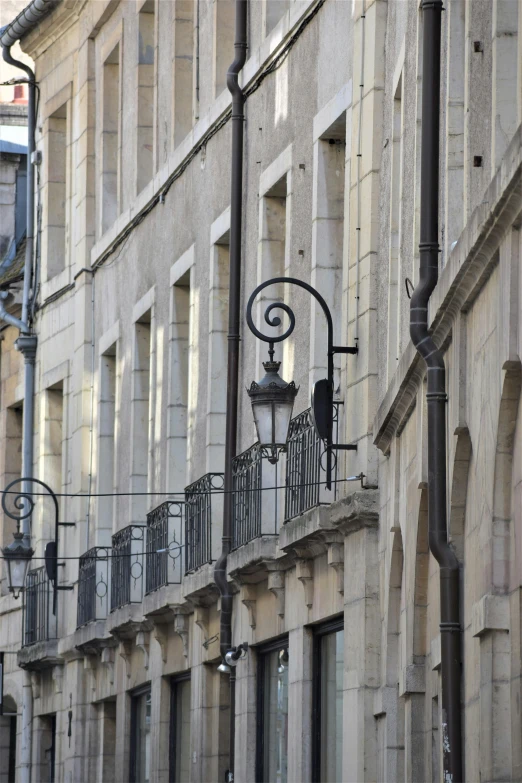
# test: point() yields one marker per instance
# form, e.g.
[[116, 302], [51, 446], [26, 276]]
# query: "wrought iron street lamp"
[[17, 557], [273, 399], [19, 553], [272, 404]]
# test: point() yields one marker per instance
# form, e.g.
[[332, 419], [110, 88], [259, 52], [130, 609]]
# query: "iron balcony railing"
[[198, 520], [38, 620], [128, 547], [305, 466], [164, 559], [93, 585], [247, 496]]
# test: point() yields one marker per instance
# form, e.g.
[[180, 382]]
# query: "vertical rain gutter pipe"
[[450, 631], [234, 317], [26, 342]]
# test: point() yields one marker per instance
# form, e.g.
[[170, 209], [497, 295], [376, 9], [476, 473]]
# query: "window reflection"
[[275, 716], [331, 706], [142, 705]]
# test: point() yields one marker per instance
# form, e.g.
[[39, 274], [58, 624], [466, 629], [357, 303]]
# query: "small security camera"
[[234, 655]]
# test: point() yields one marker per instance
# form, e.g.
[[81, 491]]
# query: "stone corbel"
[[276, 585], [143, 644], [181, 627], [58, 677], [249, 599], [107, 660], [125, 651], [201, 619], [412, 679], [336, 561], [35, 684], [305, 574], [89, 667], [162, 637]]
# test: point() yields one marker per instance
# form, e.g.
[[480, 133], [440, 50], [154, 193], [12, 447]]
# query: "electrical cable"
[[359, 477]]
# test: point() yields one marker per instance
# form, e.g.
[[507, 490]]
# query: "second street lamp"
[[17, 557], [273, 399], [272, 405]]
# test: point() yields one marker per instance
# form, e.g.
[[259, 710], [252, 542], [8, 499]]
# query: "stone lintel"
[[491, 613]]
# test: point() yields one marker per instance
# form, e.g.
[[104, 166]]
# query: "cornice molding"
[[468, 269]]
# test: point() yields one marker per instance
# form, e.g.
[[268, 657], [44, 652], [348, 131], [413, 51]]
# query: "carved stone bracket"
[[249, 599], [181, 627], [356, 511], [58, 678], [125, 651], [336, 561], [143, 644], [107, 660], [89, 667], [201, 619], [35, 684], [276, 585], [162, 637], [305, 574]]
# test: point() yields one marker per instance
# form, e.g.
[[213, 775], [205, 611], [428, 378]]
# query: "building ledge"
[[199, 587], [248, 562], [124, 617], [89, 639], [159, 602], [39, 656]]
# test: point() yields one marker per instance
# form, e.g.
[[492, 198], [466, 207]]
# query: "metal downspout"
[[234, 316], [450, 630]]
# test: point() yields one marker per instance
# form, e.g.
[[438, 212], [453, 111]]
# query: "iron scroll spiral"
[[24, 502], [275, 321]]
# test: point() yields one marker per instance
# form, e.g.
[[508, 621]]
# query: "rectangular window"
[[141, 415], [140, 737], [110, 141], [179, 381], [45, 766], [145, 130], [327, 717], [57, 192], [180, 729], [272, 713], [217, 355], [274, 11], [394, 290], [107, 433], [183, 68], [224, 21]]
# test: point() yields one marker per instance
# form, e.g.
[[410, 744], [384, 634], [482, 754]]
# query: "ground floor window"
[[272, 712], [327, 718], [180, 728], [140, 736], [8, 741]]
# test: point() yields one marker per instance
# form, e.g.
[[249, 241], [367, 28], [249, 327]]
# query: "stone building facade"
[[336, 592]]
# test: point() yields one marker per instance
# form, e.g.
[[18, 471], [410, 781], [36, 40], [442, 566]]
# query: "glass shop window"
[[140, 732], [180, 729], [327, 718], [272, 741]]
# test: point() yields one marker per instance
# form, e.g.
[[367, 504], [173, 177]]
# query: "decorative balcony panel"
[[93, 585], [246, 485], [256, 496], [39, 622], [305, 466], [199, 502], [164, 558], [128, 560]]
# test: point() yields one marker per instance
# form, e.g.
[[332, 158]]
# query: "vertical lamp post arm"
[[275, 321], [24, 504]]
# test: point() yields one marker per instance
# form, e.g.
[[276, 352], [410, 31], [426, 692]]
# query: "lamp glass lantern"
[[18, 557], [272, 401]]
